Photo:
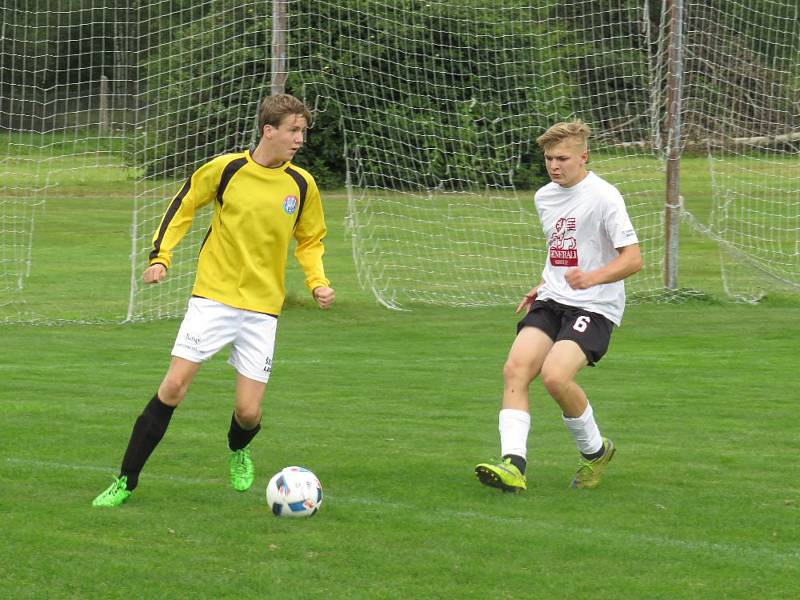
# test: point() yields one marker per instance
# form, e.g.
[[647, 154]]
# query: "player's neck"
[[577, 180], [265, 158]]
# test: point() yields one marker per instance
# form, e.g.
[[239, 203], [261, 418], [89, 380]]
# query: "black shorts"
[[591, 331]]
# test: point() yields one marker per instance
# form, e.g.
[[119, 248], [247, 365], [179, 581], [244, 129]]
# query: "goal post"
[[673, 18]]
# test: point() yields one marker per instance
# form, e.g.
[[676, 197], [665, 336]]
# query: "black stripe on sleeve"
[[205, 239], [168, 216], [227, 174], [302, 184]]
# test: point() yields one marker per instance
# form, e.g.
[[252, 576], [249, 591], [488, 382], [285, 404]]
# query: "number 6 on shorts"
[[582, 323]]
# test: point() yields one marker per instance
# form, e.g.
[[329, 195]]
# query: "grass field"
[[392, 410]]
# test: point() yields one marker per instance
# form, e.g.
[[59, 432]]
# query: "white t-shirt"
[[583, 226]]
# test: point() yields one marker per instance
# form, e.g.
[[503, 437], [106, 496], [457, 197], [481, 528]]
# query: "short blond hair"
[[274, 109], [576, 129]]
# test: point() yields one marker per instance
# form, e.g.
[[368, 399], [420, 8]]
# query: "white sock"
[[584, 430], [514, 428]]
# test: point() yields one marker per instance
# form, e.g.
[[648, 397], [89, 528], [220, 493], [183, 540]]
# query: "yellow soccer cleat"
[[502, 475], [591, 471]]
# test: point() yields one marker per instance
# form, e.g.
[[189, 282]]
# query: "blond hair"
[[575, 130], [274, 109]]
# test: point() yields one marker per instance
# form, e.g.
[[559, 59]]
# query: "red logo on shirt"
[[563, 247]]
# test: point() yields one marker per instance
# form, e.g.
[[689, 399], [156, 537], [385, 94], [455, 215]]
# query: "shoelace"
[[240, 464], [115, 487], [504, 463]]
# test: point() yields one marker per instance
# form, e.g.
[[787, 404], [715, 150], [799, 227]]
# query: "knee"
[[555, 381], [173, 389], [248, 417], [515, 371]]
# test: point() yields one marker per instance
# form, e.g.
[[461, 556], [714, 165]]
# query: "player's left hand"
[[155, 273], [578, 280], [528, 300], [324, 297]]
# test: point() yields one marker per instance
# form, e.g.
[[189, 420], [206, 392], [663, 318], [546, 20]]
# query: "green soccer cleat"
[[503, 475], [591, 471], [117, 493], [241, 470]]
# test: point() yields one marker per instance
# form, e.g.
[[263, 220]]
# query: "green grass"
[[392, 410]]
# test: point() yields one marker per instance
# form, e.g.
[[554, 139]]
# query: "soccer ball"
[[294, 492]]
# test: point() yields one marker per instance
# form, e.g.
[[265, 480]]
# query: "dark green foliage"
[[412, 95], [203, 87], [52, 60], [323, 152], [452, 100], [745, 73], [449, 102]]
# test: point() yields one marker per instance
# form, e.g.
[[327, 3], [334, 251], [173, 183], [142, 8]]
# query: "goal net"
[[59, 71], [434, 108], [742, 110], [202, 72], [441, 103]]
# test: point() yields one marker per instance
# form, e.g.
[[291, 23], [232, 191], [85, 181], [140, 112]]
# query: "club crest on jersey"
[[290, 204]]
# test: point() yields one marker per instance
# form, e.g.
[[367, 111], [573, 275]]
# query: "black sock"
[[238, 438], [147, 433], [517, 461], [596, 455]]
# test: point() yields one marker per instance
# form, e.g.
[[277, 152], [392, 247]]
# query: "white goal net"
[[61, 149], [441, 104], [433, 108], [201, 74], [742, 110]]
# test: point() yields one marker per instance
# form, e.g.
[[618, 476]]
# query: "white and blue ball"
[[294, 492]]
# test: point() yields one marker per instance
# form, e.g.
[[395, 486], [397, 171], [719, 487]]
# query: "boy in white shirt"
[[592, 248]]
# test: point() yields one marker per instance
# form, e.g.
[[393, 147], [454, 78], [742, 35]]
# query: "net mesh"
[[61, 100], [438, 105], [201, 74], [441, 106], [742, 110]]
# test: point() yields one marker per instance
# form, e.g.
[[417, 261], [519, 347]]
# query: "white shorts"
[[210, 325]]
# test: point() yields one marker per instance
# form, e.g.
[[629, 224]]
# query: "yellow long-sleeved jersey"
[[257, 210]]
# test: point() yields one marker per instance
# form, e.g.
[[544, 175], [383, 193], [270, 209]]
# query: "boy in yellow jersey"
[[261, 201]]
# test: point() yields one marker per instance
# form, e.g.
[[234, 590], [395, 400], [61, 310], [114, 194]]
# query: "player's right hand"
[[154, 273], [324, 296], [527, 300]]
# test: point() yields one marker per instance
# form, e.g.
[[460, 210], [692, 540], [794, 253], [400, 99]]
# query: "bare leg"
[[249, 394], [176, 382], [523, 364], [560, 367], [558, 376], [246, 419]]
